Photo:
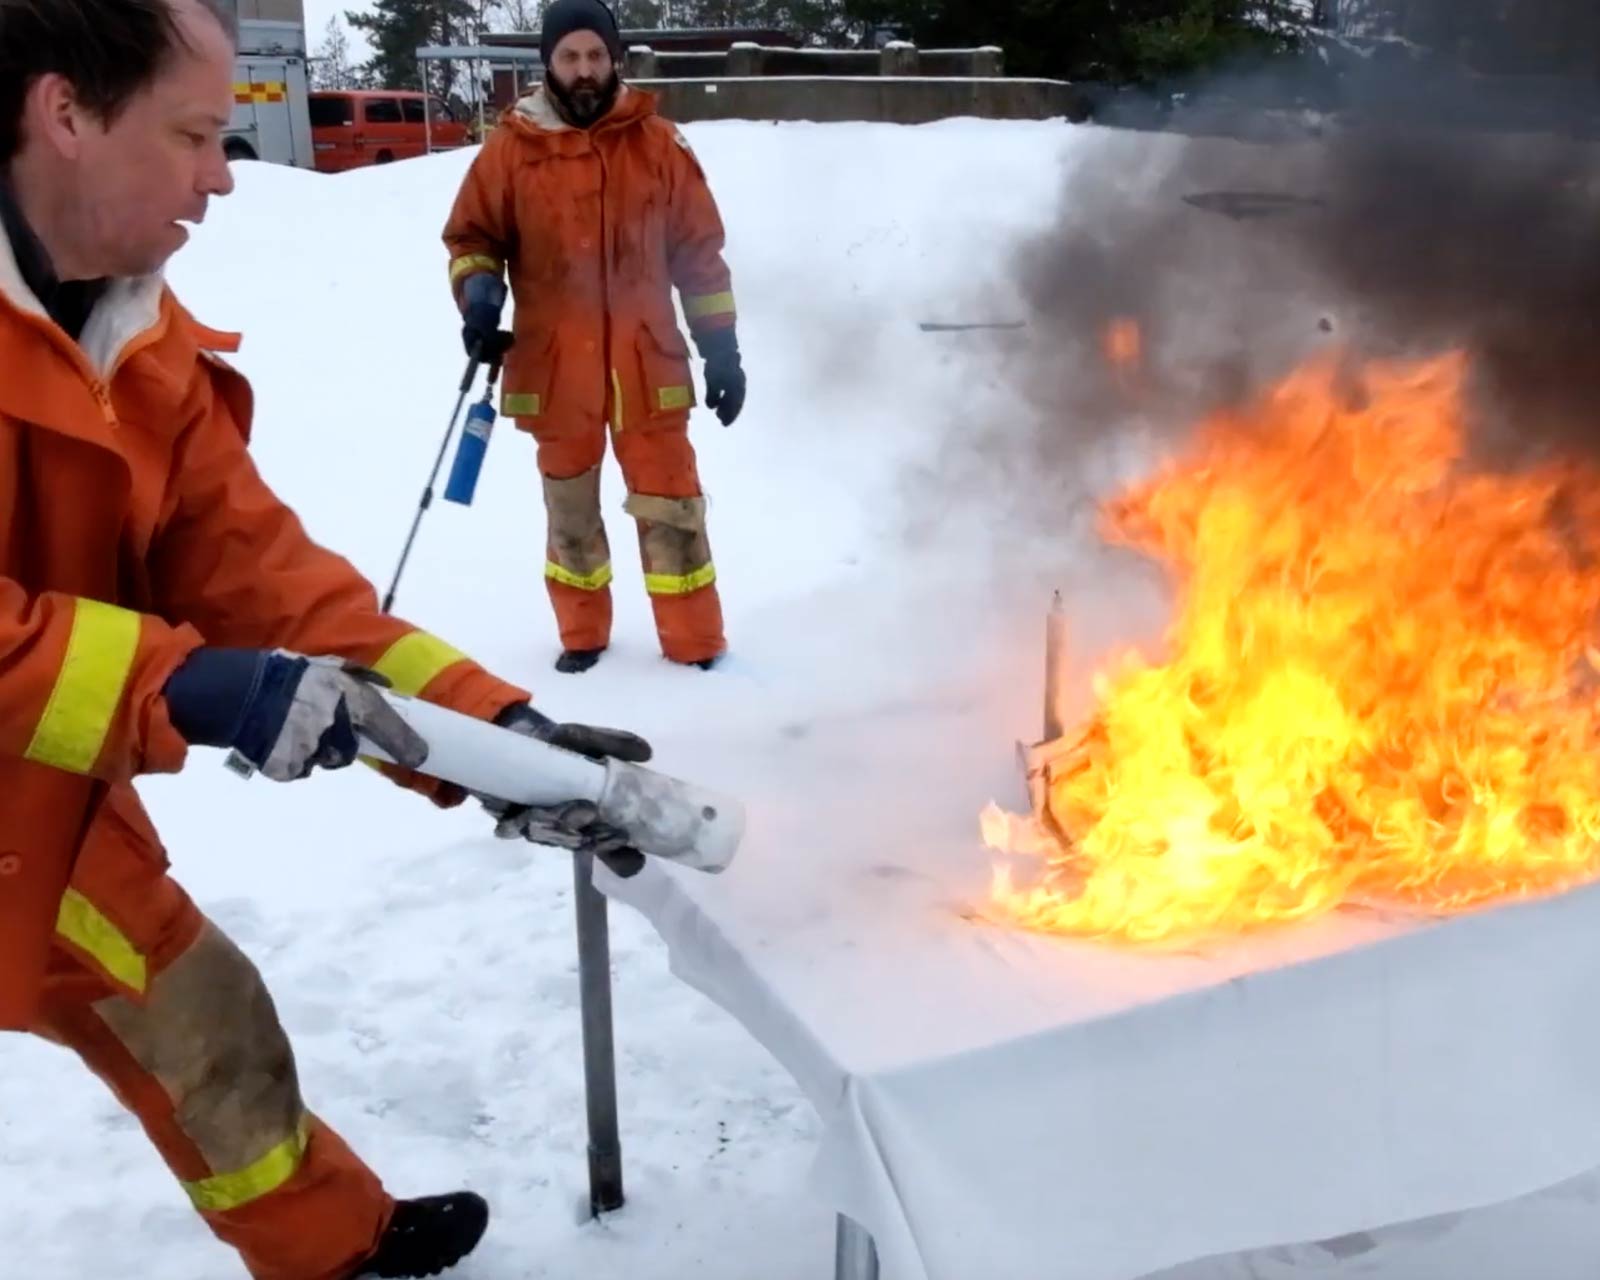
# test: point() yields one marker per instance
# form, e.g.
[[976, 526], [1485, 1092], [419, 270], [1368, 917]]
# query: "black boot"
[[428, 1236], [576, 661]]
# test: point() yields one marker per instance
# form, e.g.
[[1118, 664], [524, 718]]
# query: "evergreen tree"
[[396, 29], [1121, 40]]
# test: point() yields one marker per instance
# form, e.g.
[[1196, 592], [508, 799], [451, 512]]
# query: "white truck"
[[271, 107]]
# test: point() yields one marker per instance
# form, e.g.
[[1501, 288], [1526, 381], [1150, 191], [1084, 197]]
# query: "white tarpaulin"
[[1008, 1105]]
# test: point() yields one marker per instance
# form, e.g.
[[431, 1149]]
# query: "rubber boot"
[[428, 1236], [575, 662]]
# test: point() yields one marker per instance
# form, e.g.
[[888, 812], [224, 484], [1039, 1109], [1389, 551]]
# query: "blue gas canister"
[[470, 453]]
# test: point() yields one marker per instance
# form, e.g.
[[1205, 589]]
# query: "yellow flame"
[[1381, 684]]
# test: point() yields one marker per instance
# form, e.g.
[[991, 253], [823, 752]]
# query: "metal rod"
[[1055, 664], [467, 379], [599, 1049], [994, 326], [855, 1254]]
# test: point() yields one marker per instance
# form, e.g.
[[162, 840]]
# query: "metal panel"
[[299, 111], [269, 83], [272, 11]]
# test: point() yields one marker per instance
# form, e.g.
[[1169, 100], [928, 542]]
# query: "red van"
[[355, 127]]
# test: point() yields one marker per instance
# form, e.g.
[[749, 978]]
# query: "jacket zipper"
[[99, 387], [605, 295]]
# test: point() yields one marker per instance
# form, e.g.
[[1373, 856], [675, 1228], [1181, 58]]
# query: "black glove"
[[575, 825], [725, 382], [285, 714], [483, 297]]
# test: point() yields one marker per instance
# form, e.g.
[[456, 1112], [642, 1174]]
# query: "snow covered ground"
[[426, 971]]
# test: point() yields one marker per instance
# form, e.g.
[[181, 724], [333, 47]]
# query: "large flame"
[[1380, 688]]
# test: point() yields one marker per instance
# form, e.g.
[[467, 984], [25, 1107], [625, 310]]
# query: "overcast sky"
[[317, 14]]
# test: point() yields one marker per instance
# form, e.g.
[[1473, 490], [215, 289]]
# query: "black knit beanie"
[[566, 16]]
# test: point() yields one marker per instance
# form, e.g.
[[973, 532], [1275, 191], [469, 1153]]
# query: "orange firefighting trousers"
[[664, 497], [160, 1005]]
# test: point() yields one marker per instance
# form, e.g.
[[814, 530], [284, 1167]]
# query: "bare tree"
[[514, 15], [330, 64]]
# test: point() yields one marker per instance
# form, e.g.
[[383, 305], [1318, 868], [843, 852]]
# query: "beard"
[[585, 101]]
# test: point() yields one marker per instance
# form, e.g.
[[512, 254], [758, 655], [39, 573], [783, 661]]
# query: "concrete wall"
[[764, 60], [897, 85], [891, 100]]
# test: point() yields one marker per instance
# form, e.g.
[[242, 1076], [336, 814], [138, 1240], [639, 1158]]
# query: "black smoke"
[[1388, 200]]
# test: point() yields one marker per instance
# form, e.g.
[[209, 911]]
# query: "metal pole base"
[[599, 1050], [855, 1255]]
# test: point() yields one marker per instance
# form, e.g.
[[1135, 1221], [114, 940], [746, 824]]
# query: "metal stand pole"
[[467, 379], [599, 1050], [855, 1256]]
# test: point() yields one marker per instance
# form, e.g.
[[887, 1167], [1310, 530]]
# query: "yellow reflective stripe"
[[704, 306], [679, 584], [616, 401], [414, 660], [468, 263], [89, 687], [596, 581], [521, 404], [224, 1191], [79, 921], [675, 398]]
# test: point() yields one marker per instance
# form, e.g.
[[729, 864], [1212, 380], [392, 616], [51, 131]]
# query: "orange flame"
[[1124, 343], [1381, 685]]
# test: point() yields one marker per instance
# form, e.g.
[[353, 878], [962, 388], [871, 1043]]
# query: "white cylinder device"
[[663, 816]]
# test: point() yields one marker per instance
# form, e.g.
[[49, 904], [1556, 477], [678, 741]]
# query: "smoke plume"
[[1432, 209]]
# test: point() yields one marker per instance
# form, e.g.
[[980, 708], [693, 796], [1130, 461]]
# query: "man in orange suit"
[[596, 208], [155, 595]]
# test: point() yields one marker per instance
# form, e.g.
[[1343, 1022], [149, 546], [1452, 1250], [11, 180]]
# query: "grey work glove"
[[575, 825], [285, 714]]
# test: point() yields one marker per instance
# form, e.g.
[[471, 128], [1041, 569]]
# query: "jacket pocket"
[[529, 375], [664, 371]]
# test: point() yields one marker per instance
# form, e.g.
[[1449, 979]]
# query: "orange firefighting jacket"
[[134, 528], [594, 227]]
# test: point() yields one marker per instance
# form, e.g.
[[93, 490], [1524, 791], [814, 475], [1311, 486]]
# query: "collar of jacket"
[[126, 310], [68, 303], [537, 114], [56, 383], [32, 260]]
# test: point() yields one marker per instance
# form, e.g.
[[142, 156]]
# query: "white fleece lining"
[[11, 285], [126, 309], [537, 109]]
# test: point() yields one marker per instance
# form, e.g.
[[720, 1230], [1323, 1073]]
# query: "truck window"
[[440, 111], [334, 110], [415, 113], [383, 111]]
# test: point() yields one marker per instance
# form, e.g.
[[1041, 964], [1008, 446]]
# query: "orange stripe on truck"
[[269, 91]]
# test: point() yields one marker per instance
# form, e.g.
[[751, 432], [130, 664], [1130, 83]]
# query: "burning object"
[[1379, 683]]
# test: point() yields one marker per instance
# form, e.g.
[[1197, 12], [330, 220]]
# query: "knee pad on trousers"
[[672, 534], [208, 1032], [578, 551]]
